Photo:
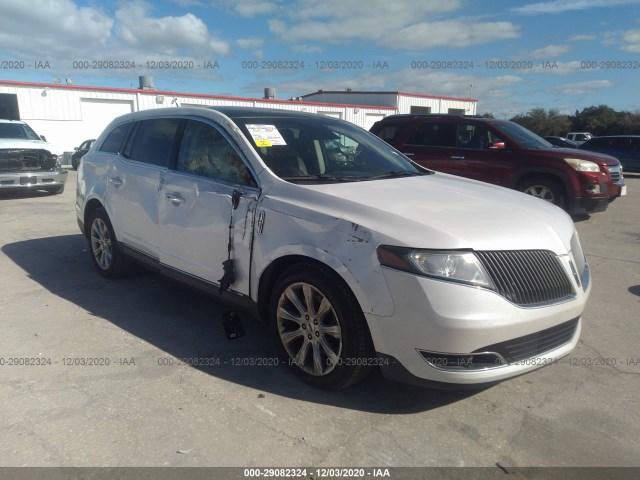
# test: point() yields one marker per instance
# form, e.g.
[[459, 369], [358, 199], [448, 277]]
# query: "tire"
[[546, 189], [331, 348], [56, 190], [104, 248]]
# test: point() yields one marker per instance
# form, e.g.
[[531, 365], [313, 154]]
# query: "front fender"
[[344, 247]]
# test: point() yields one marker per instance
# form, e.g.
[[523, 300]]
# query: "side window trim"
[[134, 131], [124, 140]]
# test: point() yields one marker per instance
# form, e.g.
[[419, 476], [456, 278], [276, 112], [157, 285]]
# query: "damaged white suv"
[[358, 257]]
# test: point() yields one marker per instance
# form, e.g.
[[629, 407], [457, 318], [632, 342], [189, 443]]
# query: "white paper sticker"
[[265, 135]]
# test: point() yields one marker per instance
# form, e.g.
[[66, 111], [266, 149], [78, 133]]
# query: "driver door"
[[195, 208]]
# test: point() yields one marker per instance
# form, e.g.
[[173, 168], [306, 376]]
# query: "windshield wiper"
[[324, 178], [394, 174], [355, 178]]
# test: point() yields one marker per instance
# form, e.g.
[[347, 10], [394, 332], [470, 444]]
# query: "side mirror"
[[44, 139], [75, 148], [497, 146]]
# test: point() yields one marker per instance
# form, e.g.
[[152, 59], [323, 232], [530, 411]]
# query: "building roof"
[[182, 94], [390, 92]]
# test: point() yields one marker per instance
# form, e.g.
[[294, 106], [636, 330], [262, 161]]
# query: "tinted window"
[[435, 135], [153, 141], [475, 136], [206, 152], [386, 132], [621, 143], [114, 141], [525, 138]]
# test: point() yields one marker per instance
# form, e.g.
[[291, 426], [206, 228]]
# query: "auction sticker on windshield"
[[265, 135]]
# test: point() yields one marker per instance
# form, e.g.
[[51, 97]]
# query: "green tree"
[[543, 122]]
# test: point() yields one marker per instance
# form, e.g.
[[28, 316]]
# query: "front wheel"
[[546, 189], [320, 327]]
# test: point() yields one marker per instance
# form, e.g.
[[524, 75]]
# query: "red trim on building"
[[408, 94], [60, 86]]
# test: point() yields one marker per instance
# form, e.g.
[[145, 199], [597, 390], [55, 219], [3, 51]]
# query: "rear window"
[[388, 133], [114, 141], [435, 135], [154, 139]]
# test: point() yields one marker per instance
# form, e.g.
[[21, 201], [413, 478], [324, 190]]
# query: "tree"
[[600, 120], [539, 121]]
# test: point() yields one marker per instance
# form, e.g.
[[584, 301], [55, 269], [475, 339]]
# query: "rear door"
[[477, 155], [134, 180], [432, 144], [195, 207]]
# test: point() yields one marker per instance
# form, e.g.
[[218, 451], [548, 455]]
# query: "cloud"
[[550, 51], [250, 42], [582, 38], [166, 35], [54, 27], [631, 38], [560, 6], [408, 25], [248, 8], [428, 82], [307, 49], [582, 88]]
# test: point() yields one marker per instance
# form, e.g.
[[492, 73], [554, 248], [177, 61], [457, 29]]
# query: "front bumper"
[[598, 190], [33, 180], [462, 321]]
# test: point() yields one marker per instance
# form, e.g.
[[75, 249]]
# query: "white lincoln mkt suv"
[[356, 256]]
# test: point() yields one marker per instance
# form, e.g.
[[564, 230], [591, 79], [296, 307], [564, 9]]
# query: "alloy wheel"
[[309, 329]]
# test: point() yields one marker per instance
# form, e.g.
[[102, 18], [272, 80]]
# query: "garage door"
[[96, 115], [370, 119]]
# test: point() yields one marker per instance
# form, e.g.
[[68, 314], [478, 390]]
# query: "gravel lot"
[[146, 409]]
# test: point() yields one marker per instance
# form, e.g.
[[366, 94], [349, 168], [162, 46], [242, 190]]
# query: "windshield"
[[323, 150], [17, 130], [523, 137]]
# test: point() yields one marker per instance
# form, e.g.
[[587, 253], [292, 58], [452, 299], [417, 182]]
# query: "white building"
[[69, 114], [403, 102]]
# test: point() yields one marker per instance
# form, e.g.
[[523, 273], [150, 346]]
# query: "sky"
[[511, 55]]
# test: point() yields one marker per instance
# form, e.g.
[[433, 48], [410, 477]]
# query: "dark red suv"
[[507, 154]]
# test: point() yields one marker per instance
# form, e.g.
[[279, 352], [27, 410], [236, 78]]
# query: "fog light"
[[593, 188], [471, 361]]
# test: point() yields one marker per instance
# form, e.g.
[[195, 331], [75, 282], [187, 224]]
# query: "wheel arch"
[[550, 173], [89, 208], [276, 267]]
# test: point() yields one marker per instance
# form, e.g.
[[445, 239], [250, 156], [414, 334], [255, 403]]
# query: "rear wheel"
[[544, 188], [104, 248], [320, 327]]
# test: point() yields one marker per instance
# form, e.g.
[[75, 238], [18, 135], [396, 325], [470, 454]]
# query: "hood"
[[433, 211], [17, 143], [599, 158]]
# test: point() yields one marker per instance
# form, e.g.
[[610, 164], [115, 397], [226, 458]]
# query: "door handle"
[[115, 181], [175, 198], [457, 157]]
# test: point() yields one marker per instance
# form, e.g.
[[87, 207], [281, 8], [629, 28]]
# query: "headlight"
[[582, 165], [456, 266]]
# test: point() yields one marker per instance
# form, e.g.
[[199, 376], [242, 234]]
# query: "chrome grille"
[[616, 173], [527, 277], [534, 344]]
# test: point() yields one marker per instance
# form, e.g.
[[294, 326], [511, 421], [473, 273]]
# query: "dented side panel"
[[345, 247]]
